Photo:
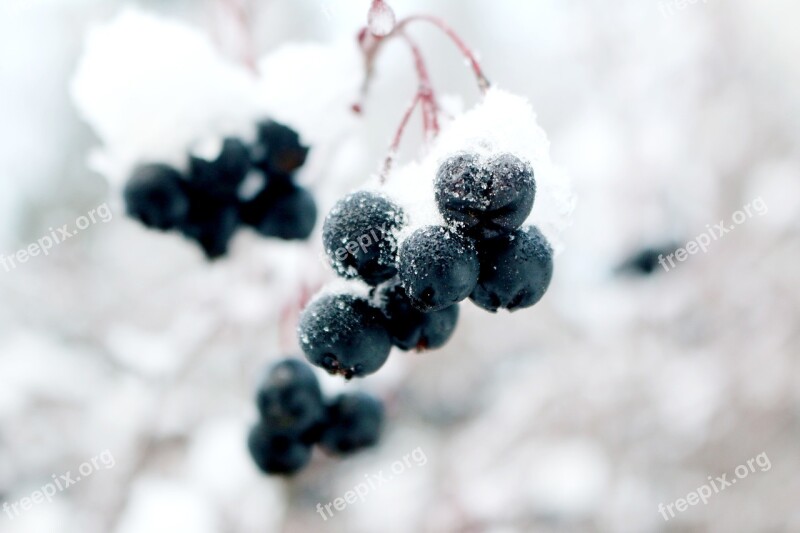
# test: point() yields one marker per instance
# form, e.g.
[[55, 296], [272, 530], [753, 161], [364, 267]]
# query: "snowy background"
[[612, 396]]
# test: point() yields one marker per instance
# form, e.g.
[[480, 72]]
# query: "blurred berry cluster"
[[244, 184], [294, 416]]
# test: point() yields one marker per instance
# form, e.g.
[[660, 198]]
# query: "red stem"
[[398, 136], [428, 97], [483, 81]]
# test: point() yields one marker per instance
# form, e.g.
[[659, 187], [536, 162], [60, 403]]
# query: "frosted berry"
[[485, 198], [345, 335], [516, 270], [359, 236], [438, 268]]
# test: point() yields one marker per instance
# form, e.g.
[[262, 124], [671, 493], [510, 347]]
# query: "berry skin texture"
[[354, 422], [438, 268], [283, 210], [359, 237], [155, 196], [516, 270], [277, 454], [345, 335], [485, 199], [278, 150], [410, 328], [289, 399], [223, 175]]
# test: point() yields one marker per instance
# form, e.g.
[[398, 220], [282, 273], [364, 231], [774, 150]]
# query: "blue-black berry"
[[155, 195], [354, 421], [516, 270], [438, 268], [411, 328], [645, 262], [211, 222], [359, 236], [283, 210], [278, 150], [488, 198], [289, 398], [276, 453], [223, 175], [345, 335]]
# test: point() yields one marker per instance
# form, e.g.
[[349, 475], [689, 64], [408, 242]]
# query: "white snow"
[[151, 88], [501, 123], [160, 97]]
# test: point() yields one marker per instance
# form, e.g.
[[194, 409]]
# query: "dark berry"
[[283, 210], [411, 328], [289, 398], [485, 198], [155, 196], [278, 149], [438, 268], [359, 236], [515, 270], [223, 175], [646, 261], [211, 222], [354, 422], [277, 454], [439, 327], [344, 335]]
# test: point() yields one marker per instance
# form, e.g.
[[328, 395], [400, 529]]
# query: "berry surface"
[[345, 335], [411, 328], [438, 268], [485, 199], [516, 270], [359, 237]]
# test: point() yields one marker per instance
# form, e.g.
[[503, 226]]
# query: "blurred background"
[[627, 387]]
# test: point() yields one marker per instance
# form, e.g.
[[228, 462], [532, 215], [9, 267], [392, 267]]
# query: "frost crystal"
[[501, 123]]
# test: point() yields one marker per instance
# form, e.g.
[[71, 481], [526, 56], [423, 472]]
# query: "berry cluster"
[[482, 253], [294, 416], [211, 201]]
